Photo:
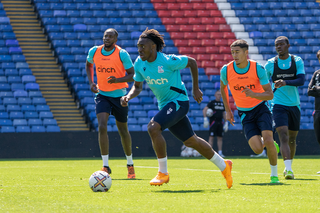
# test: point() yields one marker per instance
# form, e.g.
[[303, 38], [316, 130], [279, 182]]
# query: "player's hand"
[[112, 80], [225, 126], [230, 118], [205, 122], [94, 88], [197, 95], [248, 92], [124, 101], [279, 83]]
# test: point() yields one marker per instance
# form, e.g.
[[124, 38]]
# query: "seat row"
[[277, 13], [280, 20], [19, 129], [274, 5], [33, 109], [281, 27]]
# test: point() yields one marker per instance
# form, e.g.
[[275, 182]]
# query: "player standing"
[[161, 72], [112, 63], [250, 89], [287, 73]]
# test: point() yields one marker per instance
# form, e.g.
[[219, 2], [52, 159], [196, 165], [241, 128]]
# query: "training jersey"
[[127, 64], [218, 109], [286, 95], [163, 77], [261, 74]]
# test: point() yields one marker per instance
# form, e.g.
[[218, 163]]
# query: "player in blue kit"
[[161, 72], [287, 73]]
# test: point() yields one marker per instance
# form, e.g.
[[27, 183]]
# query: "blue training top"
[[286, 95], [127, 64], [161, 75]]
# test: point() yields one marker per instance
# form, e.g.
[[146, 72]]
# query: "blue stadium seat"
[[42, 107], [4, 115], [24, 101], [11, 101], [11, 107], [5, 122], [30, 114], [38, 129], [133, 128], [32, 86], [15, 50], [8, 129], [16, 115], [35, 94], [53, 128], [5, 87], [20, 122], [45, 114], [2, 108], [48, 122], [23, 129], [28, 79], [196, 113], [63, 20]]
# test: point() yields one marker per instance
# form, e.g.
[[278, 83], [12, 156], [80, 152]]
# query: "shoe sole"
[[131, 177], [229, 162], [158, 184], [289, 177]]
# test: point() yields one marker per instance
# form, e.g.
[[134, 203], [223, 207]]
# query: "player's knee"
[[257, 150], [103, 128], [153, 128]]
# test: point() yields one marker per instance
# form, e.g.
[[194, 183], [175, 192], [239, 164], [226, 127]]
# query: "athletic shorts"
[[286, 116], [111, 106], [256, 120], [216, 129], [176, 121]]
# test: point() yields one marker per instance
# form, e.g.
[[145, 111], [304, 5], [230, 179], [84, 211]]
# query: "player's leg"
[[219, 134], [121, 116], [316, 125], [103, 109]]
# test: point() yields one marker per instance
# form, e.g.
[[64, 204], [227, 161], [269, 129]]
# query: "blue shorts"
[[256, 120], [286, 116], [176, 121], [112, 106]]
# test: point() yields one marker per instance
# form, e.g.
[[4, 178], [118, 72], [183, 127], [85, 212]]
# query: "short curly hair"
[[154, 36]]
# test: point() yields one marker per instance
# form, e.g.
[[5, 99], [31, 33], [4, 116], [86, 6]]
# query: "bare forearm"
[[134, 92], [265, 96], [225, 98], [127, 78], [90, 73]]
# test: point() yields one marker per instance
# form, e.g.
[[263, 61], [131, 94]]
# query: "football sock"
[[163, 165], [288, 163], [274, 170], [105, 159], [129, 160], [218, 161]]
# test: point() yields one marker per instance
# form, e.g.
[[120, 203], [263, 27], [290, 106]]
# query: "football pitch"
[[196, 185]]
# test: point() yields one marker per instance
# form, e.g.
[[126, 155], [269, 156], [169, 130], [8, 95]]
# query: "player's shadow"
[[303, 179], [263, 184], [185, 191]]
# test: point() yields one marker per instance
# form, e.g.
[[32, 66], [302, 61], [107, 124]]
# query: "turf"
[[196, 185]]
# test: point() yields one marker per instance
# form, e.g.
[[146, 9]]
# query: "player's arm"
[[264, 96], [225, 97], [90, 73], [134, 92], [313, 90], [128, 66], [196, 92]]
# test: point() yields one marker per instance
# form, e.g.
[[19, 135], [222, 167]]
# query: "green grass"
[[196, 185]]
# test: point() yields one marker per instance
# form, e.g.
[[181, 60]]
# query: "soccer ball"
[[209, 112], [100, 181]]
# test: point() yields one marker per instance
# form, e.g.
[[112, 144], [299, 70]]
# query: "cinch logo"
[[108, 70], [156, 81], [238, 87]]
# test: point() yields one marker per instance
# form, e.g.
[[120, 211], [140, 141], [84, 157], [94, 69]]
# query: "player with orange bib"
[[250, 89], [112, 64]]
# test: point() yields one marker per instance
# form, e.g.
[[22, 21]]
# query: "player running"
[[161, 72]]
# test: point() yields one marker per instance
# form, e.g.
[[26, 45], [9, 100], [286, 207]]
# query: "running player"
[[314, 90], [287, 73], [161, 72], [112, 63], [250, 89]]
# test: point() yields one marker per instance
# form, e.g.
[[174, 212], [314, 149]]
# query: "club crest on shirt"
[[160, 69]]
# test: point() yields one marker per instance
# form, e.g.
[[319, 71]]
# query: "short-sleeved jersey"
[[261, 72], [218, 109], [127, 64], [163, 77], [286, 95]]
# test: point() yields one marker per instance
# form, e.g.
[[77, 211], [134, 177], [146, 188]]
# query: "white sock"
[[288, 164], [129, 159], [274, 170], [105, 160], [163, 165], [218, 161]]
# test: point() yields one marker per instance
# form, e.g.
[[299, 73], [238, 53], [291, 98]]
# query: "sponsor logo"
[[238, 87], [285, 75], [169, 111], [245, 77], [108, 70], [159, 81]]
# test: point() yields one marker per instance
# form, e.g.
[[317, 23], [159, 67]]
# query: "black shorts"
[[176, 121], [286, 116], [216, 129], [112, 106], [256, 120]]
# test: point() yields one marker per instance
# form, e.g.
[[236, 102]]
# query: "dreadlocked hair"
[[154, 36]]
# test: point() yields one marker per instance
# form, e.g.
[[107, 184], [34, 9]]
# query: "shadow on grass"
[[263, 184], [185, 191], [302, 179], [128, 179]]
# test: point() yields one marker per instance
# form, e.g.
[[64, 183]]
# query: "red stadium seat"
[[168, 20], [164, 13], [211, 6], [176, 13], [198, 50], [207, 20], [185, 50], [230, 41], [199, 6], [172, 27], [182, 20], [212, 28], [212, 49], [185, 6], [216, 57], [173, 6], [185, 28], [206, 64], [189, 13], [228, 35], [203, 57], [189, 35], [219, 64], [227, 57], [219, 20], [224, 28], [176, 35], [212, 71], [224, 49], [160, 6], [194, 20], [182, 1], [203, 13], [199, 28], [207, 42], [203, 35], [194, 42], [180, 43], [169, 1], [216, 35], [221, 42], [192, 55], [215, 13]]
